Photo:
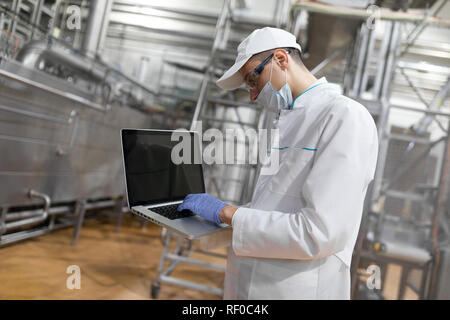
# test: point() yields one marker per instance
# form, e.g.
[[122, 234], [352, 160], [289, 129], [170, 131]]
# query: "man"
[[296, 237]]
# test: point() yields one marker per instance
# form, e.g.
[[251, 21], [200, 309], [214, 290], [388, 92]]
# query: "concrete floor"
[[114, 265]]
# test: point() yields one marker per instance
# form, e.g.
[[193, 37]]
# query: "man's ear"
[[282, 58]]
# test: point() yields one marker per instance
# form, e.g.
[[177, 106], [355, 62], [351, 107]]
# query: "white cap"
[[258, 41]]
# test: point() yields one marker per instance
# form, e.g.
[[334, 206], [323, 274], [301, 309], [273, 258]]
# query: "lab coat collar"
[[312, 93]]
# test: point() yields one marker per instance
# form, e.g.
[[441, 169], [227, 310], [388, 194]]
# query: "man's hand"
[[203, 205]]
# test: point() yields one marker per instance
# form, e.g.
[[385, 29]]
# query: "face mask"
[[275, 100]]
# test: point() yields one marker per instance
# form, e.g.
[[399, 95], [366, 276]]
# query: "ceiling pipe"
[[96, 27]]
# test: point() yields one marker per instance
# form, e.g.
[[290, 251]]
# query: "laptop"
[[156, 186]]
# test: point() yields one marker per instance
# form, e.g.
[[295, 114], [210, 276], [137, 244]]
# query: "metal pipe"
[[165, 252], [95, 26], [205, 264], [221, 21], [383, 147], [185, 12], [405, 252], [389, 61], [213, 254], [239, 20], [422, 125], [160, 31], [27, 234], [327, 61], [440, 207], [363, 41], [433, 112], [32, 213], [36, 115], [405, 169], [191, 285], [364, 14], [34, 52], [34, 220]]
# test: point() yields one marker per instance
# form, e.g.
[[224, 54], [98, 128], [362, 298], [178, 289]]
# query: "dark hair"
[[294, 53]]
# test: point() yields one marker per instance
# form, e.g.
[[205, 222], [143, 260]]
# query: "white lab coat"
[[296, 237]]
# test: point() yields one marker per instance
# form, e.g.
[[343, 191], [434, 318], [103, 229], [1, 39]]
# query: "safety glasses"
[[251, 78]]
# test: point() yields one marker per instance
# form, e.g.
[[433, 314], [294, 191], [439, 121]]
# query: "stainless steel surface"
[[44, 152], [56, 92], [35, 53], [24, 223], [327, 34]]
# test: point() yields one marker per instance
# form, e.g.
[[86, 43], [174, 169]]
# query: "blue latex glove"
[[203, 205]]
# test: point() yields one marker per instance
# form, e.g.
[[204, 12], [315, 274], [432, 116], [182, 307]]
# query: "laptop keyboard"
[[170, 212]]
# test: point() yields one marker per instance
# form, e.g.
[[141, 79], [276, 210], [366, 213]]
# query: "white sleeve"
[[334, 191]]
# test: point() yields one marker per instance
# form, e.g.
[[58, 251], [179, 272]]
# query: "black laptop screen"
[[151, 175]]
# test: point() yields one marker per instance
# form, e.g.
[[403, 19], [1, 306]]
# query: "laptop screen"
[[151, 175]]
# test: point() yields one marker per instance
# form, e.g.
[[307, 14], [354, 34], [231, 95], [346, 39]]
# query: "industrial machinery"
[[375, 55], [63, 102], [61, 112]]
